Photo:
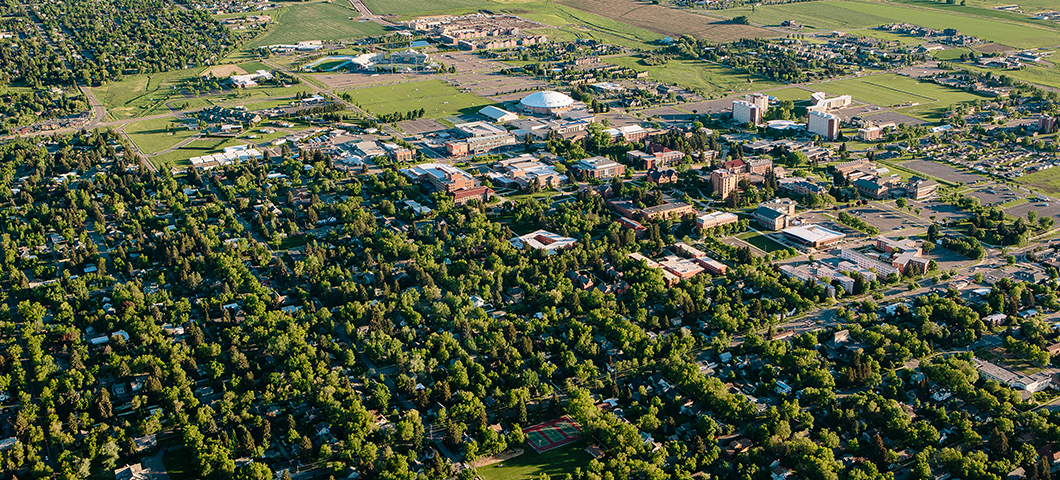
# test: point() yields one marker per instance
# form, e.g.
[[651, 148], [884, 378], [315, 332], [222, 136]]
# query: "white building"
[[824, 124], [821, 102], [543, 240], [747, 112], [498, 115]]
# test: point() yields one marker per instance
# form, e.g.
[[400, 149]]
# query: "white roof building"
[[498, 115], [543, 240]]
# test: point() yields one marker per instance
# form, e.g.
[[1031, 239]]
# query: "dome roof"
[[547, 99]]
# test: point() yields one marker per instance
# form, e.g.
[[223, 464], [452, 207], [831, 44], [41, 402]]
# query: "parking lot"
[[943, 212], [885, 219], [1020, 211], [943, 171], [994, 195]]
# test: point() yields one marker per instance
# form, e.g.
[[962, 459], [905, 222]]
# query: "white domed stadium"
[[547, 102]]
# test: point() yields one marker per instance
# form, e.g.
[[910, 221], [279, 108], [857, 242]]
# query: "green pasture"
[[1001, 27], [436, 97], [139, 95], [705, 78], [156, 135], [316, 21], [413, 8]]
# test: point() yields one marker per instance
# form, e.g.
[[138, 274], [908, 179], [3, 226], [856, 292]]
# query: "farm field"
[[885, 90], [573, 23], [438, 98], [669, 21], [847, 15], [137, 95], [706, 78], [555, 463], [156, 135], [316, 21], [412, 8]]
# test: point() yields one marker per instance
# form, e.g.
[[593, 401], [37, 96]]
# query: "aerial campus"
[[530, 239]]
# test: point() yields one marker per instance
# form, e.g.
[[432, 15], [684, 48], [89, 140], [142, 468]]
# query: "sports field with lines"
[[552, 434]]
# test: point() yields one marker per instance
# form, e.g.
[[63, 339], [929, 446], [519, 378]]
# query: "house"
[[132, 472], [595, 451]]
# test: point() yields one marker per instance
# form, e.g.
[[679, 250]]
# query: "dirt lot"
[[943, 171], [895, 117], [224, 71], [668, 21], [993, 48], [423, 125]]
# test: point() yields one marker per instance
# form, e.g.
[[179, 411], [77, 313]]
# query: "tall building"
[[725, 182], [747, 112], [821, 102], [824, 124], [759, 100], [1046, 124]]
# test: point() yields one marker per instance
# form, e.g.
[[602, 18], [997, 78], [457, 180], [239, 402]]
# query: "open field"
[[1001, 27], [1050, 77], [138, 94], [438, 98], [254, 66], [669, 21], [224, 71], [316, 21], [532, 464], [1046, 180], [157, 135], [887, 90], [573, 23], [705, 78], [413, 8]]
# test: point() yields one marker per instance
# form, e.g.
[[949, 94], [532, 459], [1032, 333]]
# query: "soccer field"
[[316, 21], [436, 97]]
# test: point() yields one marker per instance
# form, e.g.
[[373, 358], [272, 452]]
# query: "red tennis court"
[[552, 434]]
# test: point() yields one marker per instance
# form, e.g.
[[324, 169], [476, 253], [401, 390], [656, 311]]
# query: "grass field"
[[794, 94], [1000, 27], [412, 8], [531, 465], [705, 78], [1046, 180], [761, 241], [254, 66], [1049, 77], [157, 135], [438, 98], [887, 90], [137, 95], [316, 21]]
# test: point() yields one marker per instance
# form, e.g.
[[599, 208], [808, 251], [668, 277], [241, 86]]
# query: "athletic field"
[[552, 434]]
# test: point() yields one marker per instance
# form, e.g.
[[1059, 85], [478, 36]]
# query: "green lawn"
[[438, 98], [1049, 77], [794, 94], [1001, 27], [411, 8], [140, 95], [157, 135], [707, 79], [251, 67], [761, 241], [531, 465], [316, 21]]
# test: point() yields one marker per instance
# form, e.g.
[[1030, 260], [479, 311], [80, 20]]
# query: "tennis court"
[[552, 434]]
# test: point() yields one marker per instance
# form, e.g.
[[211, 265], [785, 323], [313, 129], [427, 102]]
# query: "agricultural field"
[[999, 27], [705, 78], [413, 8], [438, 98], [572, 24], [316, 21], [669, 21], [154, 136], [139, 95], [555, 463]]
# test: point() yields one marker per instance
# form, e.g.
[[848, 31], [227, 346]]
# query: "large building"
[[715, 219], [543, 240], [747, 112], [824, 124], [600, 168], [546, 102], [441, 177], [814, 236], [724, 182], [1046, 124], [525, 170], [498, 115], [478, 137], [655, 156], [920, 189], [482, 194], [874, 132], [822, 104], [771, 219]]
